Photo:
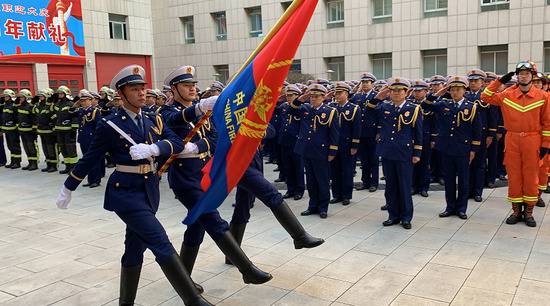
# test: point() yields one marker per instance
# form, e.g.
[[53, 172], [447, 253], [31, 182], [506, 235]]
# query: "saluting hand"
[[442, 91], [383, 94]]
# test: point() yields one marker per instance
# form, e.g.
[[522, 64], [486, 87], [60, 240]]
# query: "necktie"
[[139, 123]]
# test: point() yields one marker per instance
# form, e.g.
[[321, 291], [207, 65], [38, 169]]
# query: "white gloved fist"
[[190, 148], [207, 104], [64, 198], [143, 151]]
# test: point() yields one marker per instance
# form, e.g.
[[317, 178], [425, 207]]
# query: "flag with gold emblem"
[[244, 108]]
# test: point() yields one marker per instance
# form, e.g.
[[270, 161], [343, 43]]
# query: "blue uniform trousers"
[[294, 170], [254, 184], [144, 231], [342, 167], [369, 162], [453, 167], [421, 171], [317, 182], [477, 169], [398, 189]]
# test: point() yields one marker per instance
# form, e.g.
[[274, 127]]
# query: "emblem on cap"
[[136, 70], [189, 70]]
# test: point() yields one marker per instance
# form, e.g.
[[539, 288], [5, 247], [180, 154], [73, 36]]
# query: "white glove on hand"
[[143, 151], [207, 104], [190, 148], [63, 198]]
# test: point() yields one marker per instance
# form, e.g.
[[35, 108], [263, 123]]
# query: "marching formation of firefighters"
[[448, 130]]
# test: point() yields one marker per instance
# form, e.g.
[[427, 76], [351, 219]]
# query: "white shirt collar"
[[131, 113]]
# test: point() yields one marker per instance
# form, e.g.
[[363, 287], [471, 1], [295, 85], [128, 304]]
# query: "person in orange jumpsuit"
[[539, 82], [526, 114]]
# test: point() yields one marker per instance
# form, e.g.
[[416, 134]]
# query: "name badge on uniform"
[[446, 109], [386, 112]]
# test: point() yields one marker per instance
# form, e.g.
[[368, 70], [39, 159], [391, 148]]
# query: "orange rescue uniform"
[[527, 123]]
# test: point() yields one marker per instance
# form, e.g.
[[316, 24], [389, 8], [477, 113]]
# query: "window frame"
[[122, 24], [434, 10], [384, 57], [494, 49], [383, 6], [334, 60], [217, 17], [335, 23], [434, 53], [251, 12], [185, 21]]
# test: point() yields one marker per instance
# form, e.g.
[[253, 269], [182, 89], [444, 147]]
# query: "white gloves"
[[190, 148], [206, 104], [143, 151], [63, 198]]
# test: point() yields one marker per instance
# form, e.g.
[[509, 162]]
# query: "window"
[[382, 65], [222, 73], [494, 58], [188, 29], [434, 62], [118, 26], [286, 5], [220, 23], [296, 66], [546, 57], [336, 68], [492, 5], [433, 8], [255, 18], [382, 10], [335, 13]]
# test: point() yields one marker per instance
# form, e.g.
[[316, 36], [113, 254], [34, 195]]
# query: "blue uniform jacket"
[[486, 112], [459, 126], [349, 121], [369, 116], [290, 126], [318, 137], [88, 119], [400, 131], [126, 191]]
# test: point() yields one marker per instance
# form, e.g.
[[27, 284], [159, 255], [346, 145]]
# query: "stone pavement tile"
[[350, 214], [45, 295], [476, 233], [11, 257], [511, 249], [532, 292], [459, 254], [94, 277], [105, 256], [496, 275], [493, 216], [473, 296], [77, 234], [267, 239], [5, 297], [430, 238], [327, 289], [361, 229], [176, 301], [383, 242], [451, 223], [542, 243], [111, 241], [222, 287], [538, 267], [352, 266], [52, 260], [11, 274], [255, 296], [97, 295], [295, 298], [448, 279], [37, 280], [411, 300], [377, 287], [155, 293], [513, 232], [323, 228], [334, 247], [278, 254], [407, 260], [213, 264], [296, 271]]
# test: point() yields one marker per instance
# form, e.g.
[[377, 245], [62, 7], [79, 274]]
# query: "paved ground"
[[49, 256]]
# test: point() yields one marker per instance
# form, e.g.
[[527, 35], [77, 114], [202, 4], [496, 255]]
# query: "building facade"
[[408, 38]]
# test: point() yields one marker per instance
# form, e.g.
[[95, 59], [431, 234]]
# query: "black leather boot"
[[251, 273], [33, 165], [129, 280], [179, 279], [237, 230], [294, 228], [188, 255], [516, 213]]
